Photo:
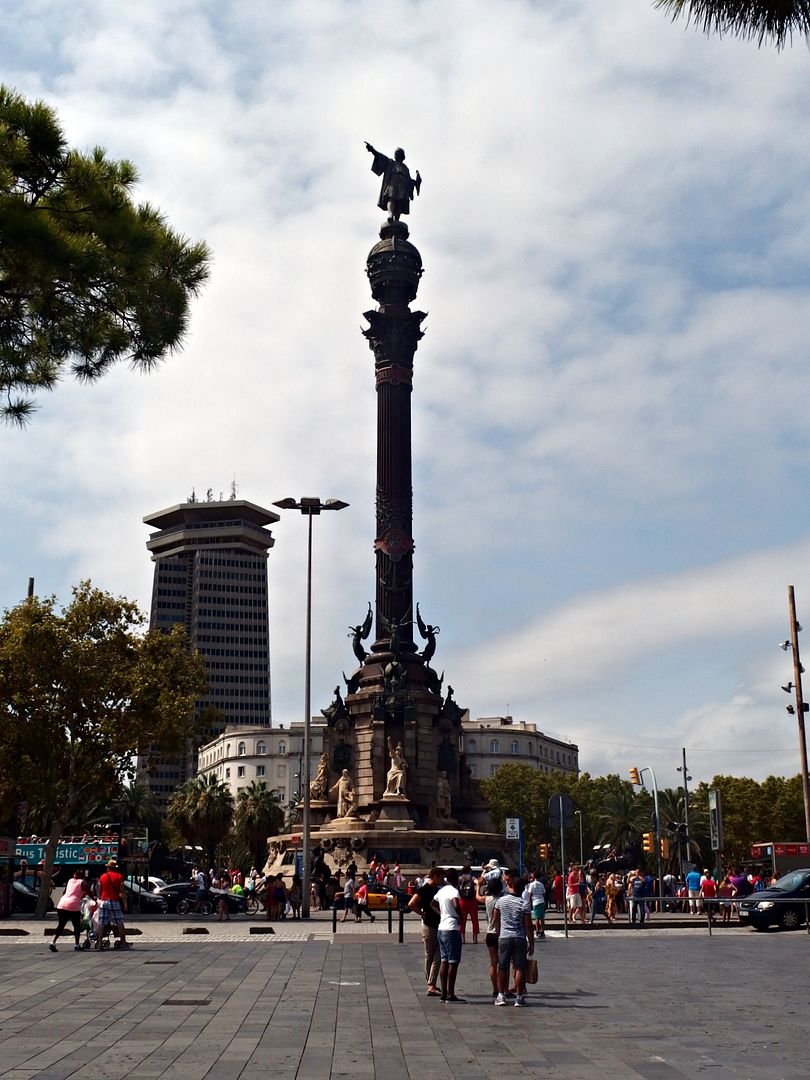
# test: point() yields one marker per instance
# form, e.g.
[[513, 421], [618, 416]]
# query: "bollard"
[[708, 910], [334, 918], [401, 926], [390, 919]]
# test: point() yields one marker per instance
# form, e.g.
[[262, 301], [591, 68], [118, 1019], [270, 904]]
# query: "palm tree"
[[671, 808], [202, 812], [621, 818], [775, 20], [259, 814]]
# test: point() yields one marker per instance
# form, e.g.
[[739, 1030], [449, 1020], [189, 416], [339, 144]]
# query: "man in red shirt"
[[111, 904]]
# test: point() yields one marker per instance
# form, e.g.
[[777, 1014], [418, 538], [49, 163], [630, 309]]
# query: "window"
[[260, 770], [227, 774], [474, 770], [241, 749], [494, 746], [513, 749], [531, 748], [282, 748], [471, 746], [493, 769], [228, 750], [261, 748], [281, 770], [240, 772]]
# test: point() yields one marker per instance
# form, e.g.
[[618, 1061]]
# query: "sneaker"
[[520, 1001], [500, 1000], [52, 947], [77, 948]]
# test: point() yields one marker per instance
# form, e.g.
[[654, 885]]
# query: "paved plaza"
[[662, 1004]]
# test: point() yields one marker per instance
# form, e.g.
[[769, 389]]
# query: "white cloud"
[[609, 401]]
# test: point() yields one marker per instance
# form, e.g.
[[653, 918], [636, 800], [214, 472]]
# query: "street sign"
[[513, 828], [554, 812]]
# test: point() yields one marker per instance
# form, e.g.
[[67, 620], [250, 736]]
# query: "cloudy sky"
[[612, 399]]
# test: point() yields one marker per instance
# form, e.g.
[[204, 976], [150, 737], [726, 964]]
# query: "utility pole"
[[800, 707]]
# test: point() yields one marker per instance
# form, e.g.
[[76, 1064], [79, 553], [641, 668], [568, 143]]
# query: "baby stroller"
[[93, 938]]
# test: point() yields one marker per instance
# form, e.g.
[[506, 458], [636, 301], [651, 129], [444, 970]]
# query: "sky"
[[610, 407]]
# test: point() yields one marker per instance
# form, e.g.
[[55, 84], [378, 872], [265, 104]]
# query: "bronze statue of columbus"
[[397, 187]]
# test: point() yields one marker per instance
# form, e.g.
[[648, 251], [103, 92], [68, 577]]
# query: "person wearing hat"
[[492, 879], [111, 903]]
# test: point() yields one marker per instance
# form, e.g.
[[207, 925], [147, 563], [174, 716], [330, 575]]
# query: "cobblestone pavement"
[[659, 1004]]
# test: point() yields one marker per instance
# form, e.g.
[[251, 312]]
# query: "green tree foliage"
[[81, 691], [615, 814], [772, 20], [201, 812], [87, 277], [259, 814]]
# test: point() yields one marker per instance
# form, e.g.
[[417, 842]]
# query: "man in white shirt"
[[447, 903], [535, 893]]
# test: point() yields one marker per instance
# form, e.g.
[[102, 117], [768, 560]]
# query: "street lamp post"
[[578, 813], [800, 707], [310, 507]]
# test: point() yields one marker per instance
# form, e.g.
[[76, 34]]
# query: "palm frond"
[[761, 20]]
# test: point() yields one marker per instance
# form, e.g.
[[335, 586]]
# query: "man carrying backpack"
[[468, 894]]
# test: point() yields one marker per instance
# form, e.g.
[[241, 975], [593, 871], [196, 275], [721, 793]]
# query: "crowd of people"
[[588, 893]]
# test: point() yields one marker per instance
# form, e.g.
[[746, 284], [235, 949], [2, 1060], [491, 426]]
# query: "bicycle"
[[190, 906]]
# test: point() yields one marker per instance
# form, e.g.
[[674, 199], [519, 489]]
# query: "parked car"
[[174, 893], [181, 898], [141, 900], [155, 883], [24, 899], [784, 904]]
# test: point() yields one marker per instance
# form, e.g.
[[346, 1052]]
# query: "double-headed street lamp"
[[309, 507]]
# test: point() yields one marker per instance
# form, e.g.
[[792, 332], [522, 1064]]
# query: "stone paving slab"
[[657, 1005]]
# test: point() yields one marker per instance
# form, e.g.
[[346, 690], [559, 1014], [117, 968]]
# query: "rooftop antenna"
[[192, 497], [30, 587], [234, 487]]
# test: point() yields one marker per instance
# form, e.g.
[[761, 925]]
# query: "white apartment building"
[[491, 741], [275, 755]]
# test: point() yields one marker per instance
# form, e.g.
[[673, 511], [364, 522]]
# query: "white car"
[[156, 883]]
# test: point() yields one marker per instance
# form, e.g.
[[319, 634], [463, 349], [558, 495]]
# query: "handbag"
[[531, 971]]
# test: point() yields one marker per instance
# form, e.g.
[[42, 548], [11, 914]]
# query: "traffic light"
[[664, 848], [648, 843], [543, 852], [634, 776]]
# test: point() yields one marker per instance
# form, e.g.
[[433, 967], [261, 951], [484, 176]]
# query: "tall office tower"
[[211, 575]]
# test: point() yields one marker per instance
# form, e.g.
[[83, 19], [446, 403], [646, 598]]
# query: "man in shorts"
[[535, 893], [111, 904], [447, 903], [513, 922]]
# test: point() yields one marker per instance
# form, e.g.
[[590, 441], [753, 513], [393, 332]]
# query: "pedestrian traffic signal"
[[648, 843], [664, 848], [634, 776], [544, 852]]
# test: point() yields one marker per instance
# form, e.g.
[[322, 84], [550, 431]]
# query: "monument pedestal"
[[395, 813]]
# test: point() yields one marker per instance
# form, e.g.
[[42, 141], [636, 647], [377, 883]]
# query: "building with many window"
[[211, 577], [492, 741], [240, 755]]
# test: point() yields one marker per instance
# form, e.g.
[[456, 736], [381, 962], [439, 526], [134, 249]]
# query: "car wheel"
[[789, 919]]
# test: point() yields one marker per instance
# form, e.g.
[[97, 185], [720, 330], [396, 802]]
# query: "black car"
[[183, 893], [174, 893], [24, 899], [141, 900], [784, 904]]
